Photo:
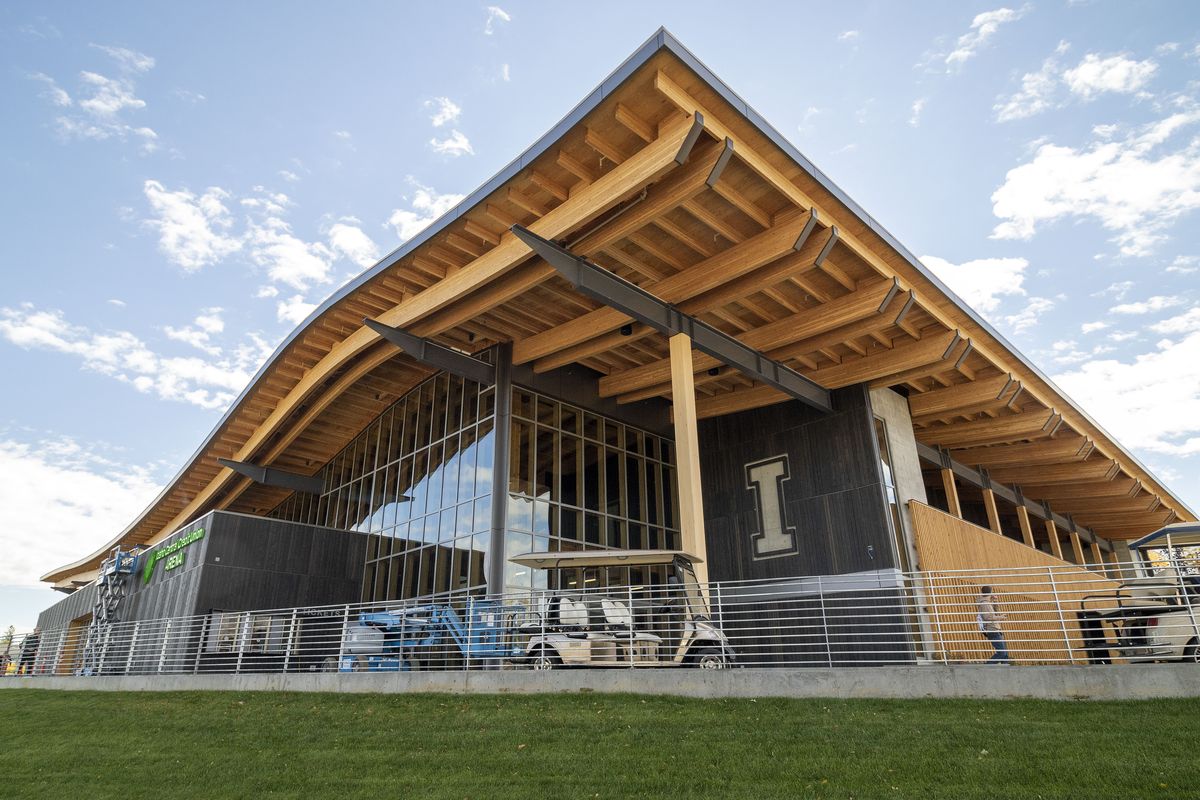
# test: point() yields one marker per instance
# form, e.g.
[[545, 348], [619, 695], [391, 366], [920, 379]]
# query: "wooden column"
[[989, 502], [952, 504], [1055, 542], [1077, 549], [1026, 529], [1114, 564], [687, 452], [1097, 556]]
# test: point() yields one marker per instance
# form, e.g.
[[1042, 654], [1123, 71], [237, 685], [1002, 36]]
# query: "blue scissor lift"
[[400, 640]]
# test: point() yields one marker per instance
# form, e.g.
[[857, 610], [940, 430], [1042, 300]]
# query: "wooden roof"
[[717, 242]]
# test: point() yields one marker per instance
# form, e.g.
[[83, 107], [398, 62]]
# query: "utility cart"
[[621, 608], [1155, 615]]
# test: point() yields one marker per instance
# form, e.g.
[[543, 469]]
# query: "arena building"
[[659, 327]]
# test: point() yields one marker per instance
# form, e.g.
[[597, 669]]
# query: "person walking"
[[29, 649], [989, 620]]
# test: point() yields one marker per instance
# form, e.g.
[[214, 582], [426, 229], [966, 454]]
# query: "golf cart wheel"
[[1191, 653], [710, 658], [543, 659], [330, 664]]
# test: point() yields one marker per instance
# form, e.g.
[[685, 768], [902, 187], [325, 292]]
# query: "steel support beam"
[[436, 355], [495, 560], [631, 300], [269, 476]]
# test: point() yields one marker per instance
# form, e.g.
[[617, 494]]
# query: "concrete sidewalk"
[[1127, 682]]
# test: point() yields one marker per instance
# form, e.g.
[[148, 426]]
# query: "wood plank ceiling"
[[714, 235]]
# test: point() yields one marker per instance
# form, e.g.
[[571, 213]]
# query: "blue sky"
[[183, 183]]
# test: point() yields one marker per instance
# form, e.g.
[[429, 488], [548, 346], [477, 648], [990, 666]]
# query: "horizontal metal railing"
[[1067, 615]]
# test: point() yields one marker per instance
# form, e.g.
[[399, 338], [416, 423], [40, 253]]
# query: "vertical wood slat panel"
[[1036, 620]]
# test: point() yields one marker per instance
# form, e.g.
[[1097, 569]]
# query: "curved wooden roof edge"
[[924, 280]]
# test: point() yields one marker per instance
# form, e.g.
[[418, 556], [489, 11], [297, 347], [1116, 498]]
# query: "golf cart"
[[1155, 615], [621, 608]]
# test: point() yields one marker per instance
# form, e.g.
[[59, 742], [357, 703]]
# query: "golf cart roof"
[[1182, 534], [601, 558]]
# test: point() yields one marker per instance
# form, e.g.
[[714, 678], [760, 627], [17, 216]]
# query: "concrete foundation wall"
[[1135, 682]]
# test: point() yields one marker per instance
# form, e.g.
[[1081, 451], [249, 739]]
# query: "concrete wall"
[[892, 408], [1137, 682]]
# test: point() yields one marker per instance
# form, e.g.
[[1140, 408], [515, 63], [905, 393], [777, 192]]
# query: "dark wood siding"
[[834, 497]]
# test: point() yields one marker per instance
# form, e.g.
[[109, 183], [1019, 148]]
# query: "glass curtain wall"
[[418, 481], [581, 481]]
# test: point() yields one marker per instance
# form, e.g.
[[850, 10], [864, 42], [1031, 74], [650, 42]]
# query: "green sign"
[[172, 554]]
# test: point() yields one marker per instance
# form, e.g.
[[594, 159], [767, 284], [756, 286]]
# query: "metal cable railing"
[[1067, 615]]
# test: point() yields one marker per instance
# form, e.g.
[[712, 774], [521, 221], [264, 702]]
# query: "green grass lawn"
[[214, 744]]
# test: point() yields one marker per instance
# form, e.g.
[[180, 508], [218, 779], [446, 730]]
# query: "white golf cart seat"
[[572, 614], [617, 614]]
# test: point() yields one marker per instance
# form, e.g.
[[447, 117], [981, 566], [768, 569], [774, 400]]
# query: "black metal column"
[[503, 431]]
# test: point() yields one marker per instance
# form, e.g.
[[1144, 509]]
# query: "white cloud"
[[62, 498], [1148, 306], [426, 205], [100, 109], [849, 36], [196, 231], [495, 14], [266, 291], [343, 135], [1040, 91], [40, 28], [1166, 48], [1184, 265], [918, 106], [1036, 93], [109, 96], [983, 281], [115, 302], [349, 240], [1117, 290], [207, 324], [1095, 75], [806, 121], [983, 27], [456, 144], [1092, 327], [193, 231], [1136, 187], [294, 309], [54, 93], [1066, 352], [1029, 315], [287, 258], [128, 60], [189, 95], [288, 175], [209, 383], [1151, 402], [444, 110], [1187, 322], [505, 73]]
